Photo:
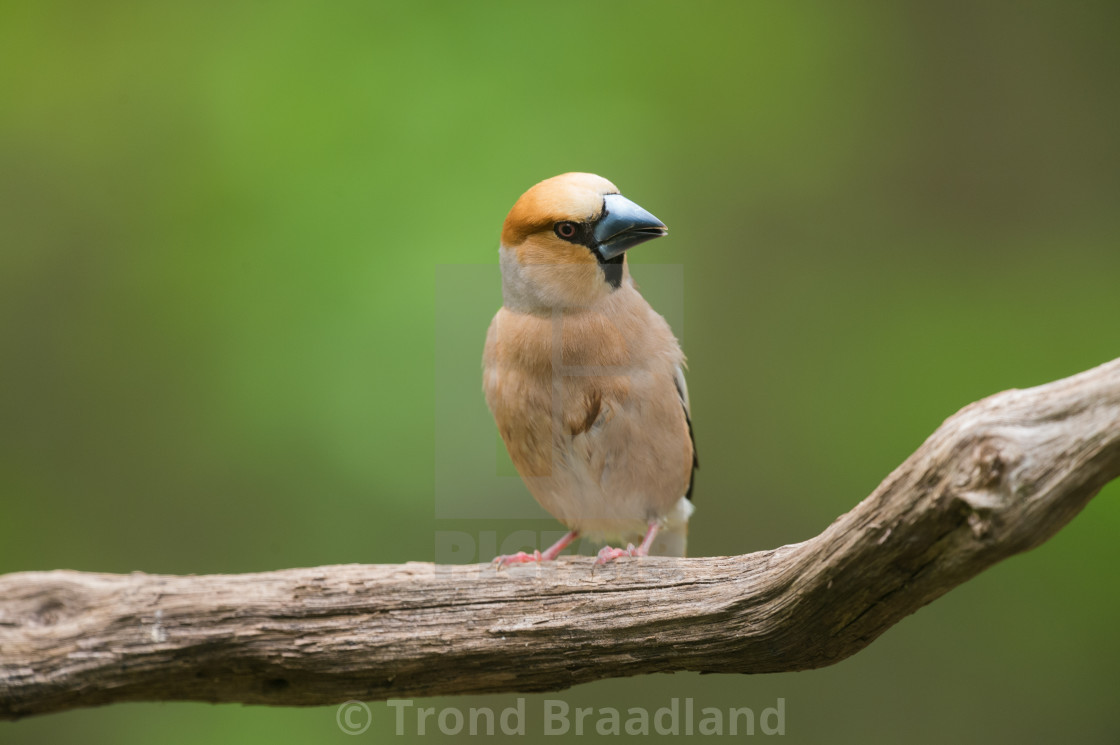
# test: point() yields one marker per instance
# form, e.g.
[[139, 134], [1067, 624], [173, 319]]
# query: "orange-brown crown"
[[570, 196]]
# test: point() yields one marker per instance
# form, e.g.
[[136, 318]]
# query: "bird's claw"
[[606, 553], [518, 558]]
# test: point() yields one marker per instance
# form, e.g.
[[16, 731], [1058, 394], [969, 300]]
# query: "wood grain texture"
[[997, 478]]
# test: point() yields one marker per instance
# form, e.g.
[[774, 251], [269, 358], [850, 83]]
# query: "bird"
[[585, 380]]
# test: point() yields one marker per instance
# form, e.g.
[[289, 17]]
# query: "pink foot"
[[606, 553], [549, 554], [518, 558]]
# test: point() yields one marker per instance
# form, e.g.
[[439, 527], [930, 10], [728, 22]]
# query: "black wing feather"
[[678, 381]]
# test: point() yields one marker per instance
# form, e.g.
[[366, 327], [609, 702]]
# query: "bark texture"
[[999, 477]]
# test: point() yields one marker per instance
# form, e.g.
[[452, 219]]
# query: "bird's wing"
[[682, 389]]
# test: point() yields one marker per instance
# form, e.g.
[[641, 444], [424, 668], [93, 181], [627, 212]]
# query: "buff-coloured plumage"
[[583, 377]]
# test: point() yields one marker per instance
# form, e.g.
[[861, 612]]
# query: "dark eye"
[[566, 230]]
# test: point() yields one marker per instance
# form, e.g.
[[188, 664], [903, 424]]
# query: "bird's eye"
[[566, 230]]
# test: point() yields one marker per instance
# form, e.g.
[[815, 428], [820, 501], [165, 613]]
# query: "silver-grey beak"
[[623, 226]]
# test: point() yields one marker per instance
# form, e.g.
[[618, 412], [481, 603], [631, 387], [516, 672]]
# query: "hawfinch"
[[584, 378]]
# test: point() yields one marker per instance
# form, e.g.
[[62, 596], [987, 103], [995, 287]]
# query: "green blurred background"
[[224, 228]]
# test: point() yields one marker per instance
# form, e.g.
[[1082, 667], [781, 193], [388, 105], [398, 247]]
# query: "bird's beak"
[[623, 226]]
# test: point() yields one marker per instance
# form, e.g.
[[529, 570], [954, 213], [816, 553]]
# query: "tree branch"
[[999, 477]]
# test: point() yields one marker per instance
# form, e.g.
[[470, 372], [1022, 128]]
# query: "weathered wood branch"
[[997, 478]]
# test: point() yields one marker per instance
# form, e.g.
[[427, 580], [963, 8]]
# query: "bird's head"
[[564, 242]]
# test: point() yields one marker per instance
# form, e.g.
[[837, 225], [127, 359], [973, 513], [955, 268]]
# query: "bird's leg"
[[554, 550], [549, 554], [654, 529], [606, 553]]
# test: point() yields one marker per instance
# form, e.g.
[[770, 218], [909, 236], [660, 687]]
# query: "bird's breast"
[[588, 408]]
